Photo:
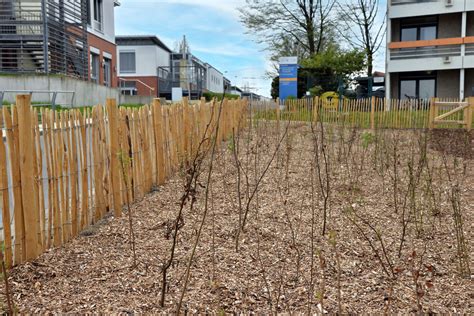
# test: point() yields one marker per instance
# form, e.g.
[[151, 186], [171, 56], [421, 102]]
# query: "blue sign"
[[288, 81]]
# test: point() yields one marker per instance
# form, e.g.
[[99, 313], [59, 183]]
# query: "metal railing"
[[53, 95], [122, 80], [44, 37], [469, 49], [425, 52], [396, 2]]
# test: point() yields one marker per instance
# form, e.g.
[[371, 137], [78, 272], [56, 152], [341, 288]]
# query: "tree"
[[331, 68], [361, 27], [282, 22], [326, 71]]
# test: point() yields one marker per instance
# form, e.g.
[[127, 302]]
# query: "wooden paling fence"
[[60, 172], [373, 113]]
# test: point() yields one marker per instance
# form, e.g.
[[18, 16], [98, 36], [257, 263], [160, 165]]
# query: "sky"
[[214, 33]]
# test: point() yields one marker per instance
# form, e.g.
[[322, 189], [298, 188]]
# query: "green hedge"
[[211, 95]]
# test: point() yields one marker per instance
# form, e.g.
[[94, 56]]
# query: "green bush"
[[211, 95]]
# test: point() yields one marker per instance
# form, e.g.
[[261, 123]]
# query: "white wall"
[[425, 64], [108, 31], [215, 80], [426, 8], [147, 60]]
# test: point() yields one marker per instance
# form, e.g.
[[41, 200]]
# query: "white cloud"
[[228, 6]]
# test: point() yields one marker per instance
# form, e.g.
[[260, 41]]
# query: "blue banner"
[[288, 81]]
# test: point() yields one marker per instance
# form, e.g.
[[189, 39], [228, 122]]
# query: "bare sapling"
[[382, 255], [10, 305], [206, 204], [322, 169], [422, 277], [333, 242], [322, 285], [454, 196], [258, 180], [189, 195]]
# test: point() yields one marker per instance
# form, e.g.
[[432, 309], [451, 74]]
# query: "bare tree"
[[361, 25], [305, 22]]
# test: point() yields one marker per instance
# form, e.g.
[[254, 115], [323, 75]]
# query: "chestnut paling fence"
[[60, 172], [372, 113]]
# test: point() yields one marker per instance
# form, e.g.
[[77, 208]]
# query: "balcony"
[[469, 58], [407, 8], [438, 54], [43, 37]]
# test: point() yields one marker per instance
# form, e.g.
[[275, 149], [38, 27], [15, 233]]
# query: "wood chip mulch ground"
[[271, 272]]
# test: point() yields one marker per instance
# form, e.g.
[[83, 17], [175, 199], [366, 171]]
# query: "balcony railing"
[[44, 36], [425, 52], [396, 2], [470, 50], [445, 47]]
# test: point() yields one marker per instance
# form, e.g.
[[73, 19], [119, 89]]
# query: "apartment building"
[[214, 79], [75, 38], [143, 60], [101, 41], [430, 49]]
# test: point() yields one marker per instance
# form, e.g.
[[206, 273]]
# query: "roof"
[[235, 88], [140, 40], [211, 66]]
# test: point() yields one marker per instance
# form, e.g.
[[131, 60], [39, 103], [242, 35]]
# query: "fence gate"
[[454, 109]]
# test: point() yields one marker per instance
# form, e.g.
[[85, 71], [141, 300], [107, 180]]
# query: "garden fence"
[[373, 113], [61, 172]]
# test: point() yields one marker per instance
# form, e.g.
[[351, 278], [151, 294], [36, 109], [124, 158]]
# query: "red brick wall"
[[104, 46], [142, 90]]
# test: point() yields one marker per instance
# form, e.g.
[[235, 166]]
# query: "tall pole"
[[45, 36]]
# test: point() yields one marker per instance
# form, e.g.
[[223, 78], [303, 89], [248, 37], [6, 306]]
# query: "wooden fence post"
[[315, 109], [115, 168], [158, 132], [431, 115], [372, 113], [5, 201], [470, 113], [30, 207]]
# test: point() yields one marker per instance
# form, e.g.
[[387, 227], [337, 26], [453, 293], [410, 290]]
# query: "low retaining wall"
[[86, 93]]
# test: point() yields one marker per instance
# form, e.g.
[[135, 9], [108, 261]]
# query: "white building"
[[143, 60], [430, 49], [235, 90], [214, 80]]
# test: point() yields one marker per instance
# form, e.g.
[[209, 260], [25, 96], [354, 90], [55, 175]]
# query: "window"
[[98, 7], [426, 88], [127, 62], [94, 68], [419, 29], [107, 72], [89, 17], [408, 89], [128, 88], [409, 34], [428, 33], [418, 88], [419, 33], [98, 14]]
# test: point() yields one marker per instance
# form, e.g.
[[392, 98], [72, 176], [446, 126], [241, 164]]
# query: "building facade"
[[214, 79], [75, 38], [101, 39], [430, 49], [143, 60]]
